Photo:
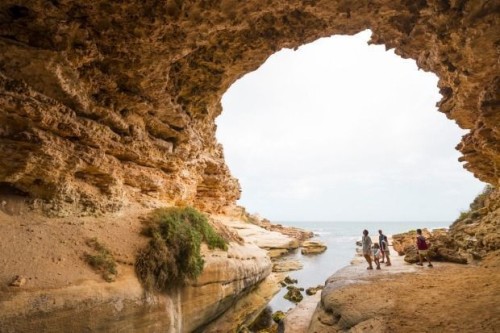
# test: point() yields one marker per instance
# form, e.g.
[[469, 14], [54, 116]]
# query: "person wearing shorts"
[[385, 248], [366, 242], [380, 239], [376, 254], [423, 249]]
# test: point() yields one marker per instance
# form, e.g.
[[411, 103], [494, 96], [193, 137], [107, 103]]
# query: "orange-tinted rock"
[[476, 234], [109, 102]]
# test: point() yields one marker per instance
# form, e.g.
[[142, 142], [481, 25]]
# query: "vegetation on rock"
[[102, 261], [477, 208], [174, 251], [278, 316], [294, 294]]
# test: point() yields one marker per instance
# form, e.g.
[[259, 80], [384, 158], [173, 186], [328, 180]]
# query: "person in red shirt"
[[423, 249]]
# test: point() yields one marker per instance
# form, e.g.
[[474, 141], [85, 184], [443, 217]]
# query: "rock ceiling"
[[104, 102]]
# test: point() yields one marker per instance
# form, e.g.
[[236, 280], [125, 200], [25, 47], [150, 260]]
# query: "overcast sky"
[[342, 131]]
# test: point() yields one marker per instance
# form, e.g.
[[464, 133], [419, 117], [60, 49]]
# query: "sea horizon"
[[340, 237]]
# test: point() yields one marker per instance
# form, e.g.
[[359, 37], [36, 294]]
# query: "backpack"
[[421, 243]]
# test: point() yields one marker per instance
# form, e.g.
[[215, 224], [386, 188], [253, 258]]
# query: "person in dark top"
[[423, 249], [380, 239], [385, 247]]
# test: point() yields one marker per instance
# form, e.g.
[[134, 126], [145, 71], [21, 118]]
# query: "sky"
[[342, 131]]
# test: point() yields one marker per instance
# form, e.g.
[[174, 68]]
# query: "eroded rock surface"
[[108, 102], [313, 247], [477, 234], [473, 235], [447, 297], [59, 290]]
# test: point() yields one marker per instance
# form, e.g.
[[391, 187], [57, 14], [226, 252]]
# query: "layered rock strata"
[[123, 306], [62, 293], [313, 247], [108, 102]]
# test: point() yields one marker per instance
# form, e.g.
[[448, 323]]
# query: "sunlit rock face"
[[104, 102]]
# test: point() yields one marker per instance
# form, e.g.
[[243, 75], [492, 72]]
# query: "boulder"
[[313, 290], [289, 280], [294, 294], [287, 265], [313, 247], [278, 316]]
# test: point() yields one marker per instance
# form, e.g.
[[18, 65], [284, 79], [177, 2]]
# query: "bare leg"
[[420, 260], [429, 259], [377, 262], [368, 260], [383, 256], [388, 261]]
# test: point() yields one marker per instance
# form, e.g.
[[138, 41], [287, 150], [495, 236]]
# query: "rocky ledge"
[[469, 239], [313, 247], [61, 292], [405, 298]]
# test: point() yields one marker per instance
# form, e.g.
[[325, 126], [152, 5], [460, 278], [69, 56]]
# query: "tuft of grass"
[[102, 261], [174, 251]]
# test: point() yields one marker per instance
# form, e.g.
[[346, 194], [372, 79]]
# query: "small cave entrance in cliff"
[[340, 130]]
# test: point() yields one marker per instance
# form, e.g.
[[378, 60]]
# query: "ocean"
[[340, 237]]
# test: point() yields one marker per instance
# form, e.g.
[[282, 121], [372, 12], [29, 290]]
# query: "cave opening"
[[343, 130]]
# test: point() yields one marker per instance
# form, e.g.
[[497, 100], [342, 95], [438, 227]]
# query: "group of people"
[[379, 252]]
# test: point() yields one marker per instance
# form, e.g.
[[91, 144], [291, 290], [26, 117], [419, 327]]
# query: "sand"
[[411, 298]]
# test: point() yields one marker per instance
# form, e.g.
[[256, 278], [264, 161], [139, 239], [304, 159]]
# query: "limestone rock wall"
[[104, 102], [123, 306], [477, 233]]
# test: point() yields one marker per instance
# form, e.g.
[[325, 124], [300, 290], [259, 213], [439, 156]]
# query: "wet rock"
[[313, 247], [289, 280], [297, 233], [278, 316], [313, 290], [294, 294], [263, 321], [287, 265]]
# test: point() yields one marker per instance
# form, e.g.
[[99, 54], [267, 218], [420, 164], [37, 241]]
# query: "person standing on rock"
[[423, 249], [376, 254], [385, 248], [380, 239], [366, 242]]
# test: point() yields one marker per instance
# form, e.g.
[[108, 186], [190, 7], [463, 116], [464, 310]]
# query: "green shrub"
[[102, 261], [173, 254]]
